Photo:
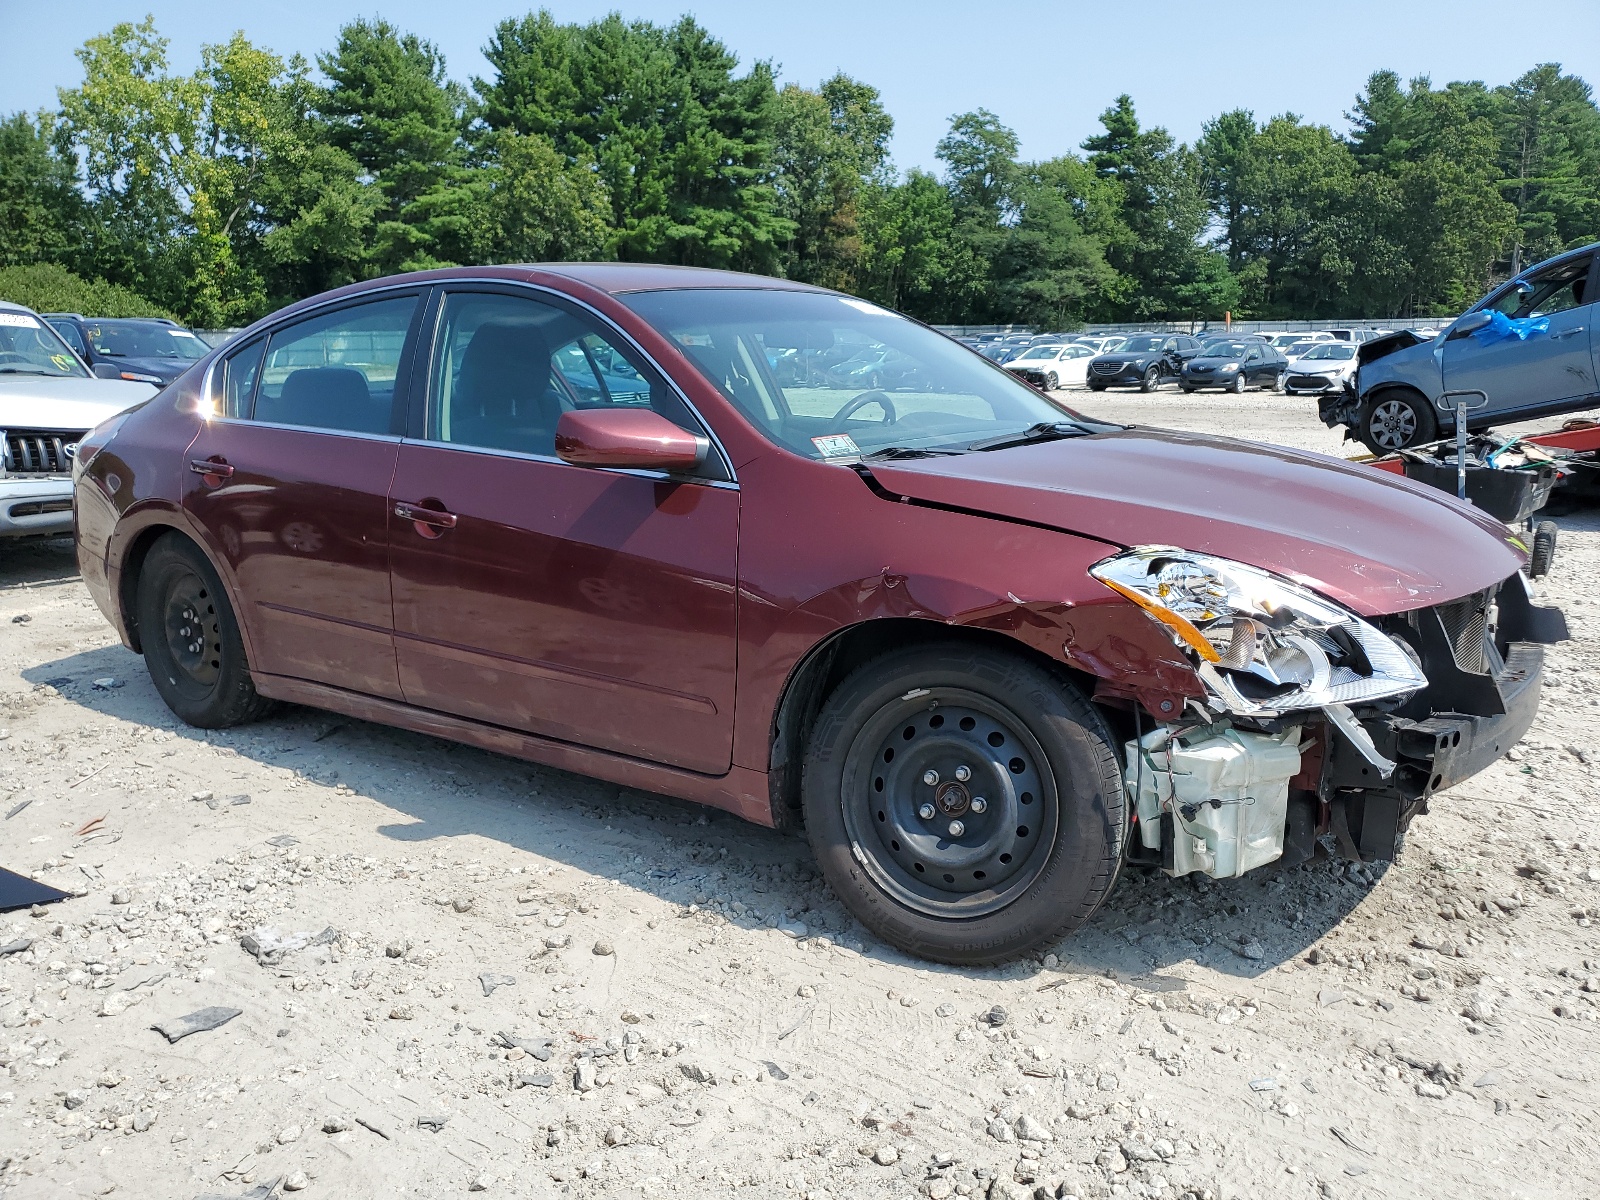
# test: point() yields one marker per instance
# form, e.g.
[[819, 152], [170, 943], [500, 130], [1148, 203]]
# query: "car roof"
[[9, 306], [620, 277]]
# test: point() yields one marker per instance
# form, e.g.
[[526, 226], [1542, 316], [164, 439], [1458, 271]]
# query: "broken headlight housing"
[[1265, 645]]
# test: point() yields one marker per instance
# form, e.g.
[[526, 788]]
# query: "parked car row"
[[49, 400]]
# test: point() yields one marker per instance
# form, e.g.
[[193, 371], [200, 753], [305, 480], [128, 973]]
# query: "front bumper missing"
[[1481, 698], [1483, 657]]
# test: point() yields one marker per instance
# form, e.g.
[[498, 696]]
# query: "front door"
[[1547, 367], [291, 482], [592, 606]]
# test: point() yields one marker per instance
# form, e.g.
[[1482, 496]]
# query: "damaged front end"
[[1317, 722]]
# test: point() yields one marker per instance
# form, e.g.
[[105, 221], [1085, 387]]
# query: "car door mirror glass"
[[1470, 323], [627, 437]]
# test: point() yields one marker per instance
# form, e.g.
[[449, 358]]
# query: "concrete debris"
[[175, 1029], [490, 980]]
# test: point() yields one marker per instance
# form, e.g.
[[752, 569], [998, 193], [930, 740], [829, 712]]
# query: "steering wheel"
[[871, 396]]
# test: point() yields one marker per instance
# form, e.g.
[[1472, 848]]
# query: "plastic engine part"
[[1227, 792]]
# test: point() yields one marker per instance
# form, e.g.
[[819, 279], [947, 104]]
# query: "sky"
[[1046, 69]]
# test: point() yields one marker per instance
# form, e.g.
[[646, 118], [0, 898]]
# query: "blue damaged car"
[[1530, 346]]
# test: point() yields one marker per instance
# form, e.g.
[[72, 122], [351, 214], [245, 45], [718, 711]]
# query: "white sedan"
[[1052, 367], [1322, 368]]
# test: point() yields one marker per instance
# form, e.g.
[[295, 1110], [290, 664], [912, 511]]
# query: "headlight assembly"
[[1265, 645]]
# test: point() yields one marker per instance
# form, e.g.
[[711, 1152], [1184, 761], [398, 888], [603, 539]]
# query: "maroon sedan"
[[653, 524]]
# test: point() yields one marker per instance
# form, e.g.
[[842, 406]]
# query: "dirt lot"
[[679, 1008]]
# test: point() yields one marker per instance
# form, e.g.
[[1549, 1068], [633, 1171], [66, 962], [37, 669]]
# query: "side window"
[[239, 374], [336, 370], [69, 334], [506, 367], [1561, 287], [1253, 356]]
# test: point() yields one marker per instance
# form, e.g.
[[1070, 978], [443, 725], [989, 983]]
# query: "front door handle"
[[1561, 333], [215, 470], [429, 522]]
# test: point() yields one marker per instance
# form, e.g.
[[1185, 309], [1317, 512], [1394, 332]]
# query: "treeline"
[[250, 182]]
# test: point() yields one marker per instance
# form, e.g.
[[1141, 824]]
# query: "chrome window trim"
[[639, 472], [349, 433], [208, 388]]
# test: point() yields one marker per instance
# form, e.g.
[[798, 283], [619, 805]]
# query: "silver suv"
[[1552, 369]]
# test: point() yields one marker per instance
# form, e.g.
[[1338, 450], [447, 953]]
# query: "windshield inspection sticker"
[[18, 320], [836, 445]]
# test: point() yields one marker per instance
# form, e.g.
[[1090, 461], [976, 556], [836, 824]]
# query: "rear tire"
[[191, 641], [1024, 869]]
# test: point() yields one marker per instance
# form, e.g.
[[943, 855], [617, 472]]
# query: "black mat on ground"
[[18, 891]]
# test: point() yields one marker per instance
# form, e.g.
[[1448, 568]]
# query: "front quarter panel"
[[853, 556], [1415, 367]]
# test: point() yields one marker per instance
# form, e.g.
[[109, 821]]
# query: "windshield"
[[785, 361], [1139, 344], [144, 339], [1223, 350], [30, 347], [1331, 350]]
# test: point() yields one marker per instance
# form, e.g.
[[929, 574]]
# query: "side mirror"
[[1470, 323], [106, 371], [627, 437]]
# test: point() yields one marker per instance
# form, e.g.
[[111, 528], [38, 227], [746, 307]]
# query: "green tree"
[[681, 143], [391, 107], [1171, 272], [828, 144], [1549, 156], [542, 208], [41, 211]]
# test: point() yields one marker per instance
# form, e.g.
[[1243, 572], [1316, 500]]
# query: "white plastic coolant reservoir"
[[1227, 790]]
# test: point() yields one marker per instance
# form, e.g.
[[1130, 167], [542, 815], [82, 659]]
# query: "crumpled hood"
[[1371, 540], [35, 402]]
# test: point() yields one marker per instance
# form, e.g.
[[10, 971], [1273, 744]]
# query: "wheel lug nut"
[[979, 804], [963, 773], [957, 829], [930, 777], [926, 812]]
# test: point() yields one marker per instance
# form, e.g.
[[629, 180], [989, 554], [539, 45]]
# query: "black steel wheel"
[[965, 803], [190, 638]]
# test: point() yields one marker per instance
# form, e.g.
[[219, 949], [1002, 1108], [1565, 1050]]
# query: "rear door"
[[291, 480], [590, 605], [1544, 371]]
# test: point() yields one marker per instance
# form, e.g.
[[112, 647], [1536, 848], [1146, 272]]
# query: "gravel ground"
[[456, 972]]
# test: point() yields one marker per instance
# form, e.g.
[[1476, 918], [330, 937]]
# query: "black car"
[[1143, 361], [143, 349], [1235, 365]]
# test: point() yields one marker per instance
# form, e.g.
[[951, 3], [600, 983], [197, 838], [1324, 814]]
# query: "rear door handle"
[[429, 522], [215, 470], [1561, 333]]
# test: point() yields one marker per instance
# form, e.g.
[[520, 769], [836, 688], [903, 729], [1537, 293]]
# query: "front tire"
[[965, 805], [190, 638], [1237, 386], [1051, 381], [1151, 380], [1397, 420]]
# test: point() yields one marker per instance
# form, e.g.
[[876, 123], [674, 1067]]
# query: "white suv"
[[48, 401]]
